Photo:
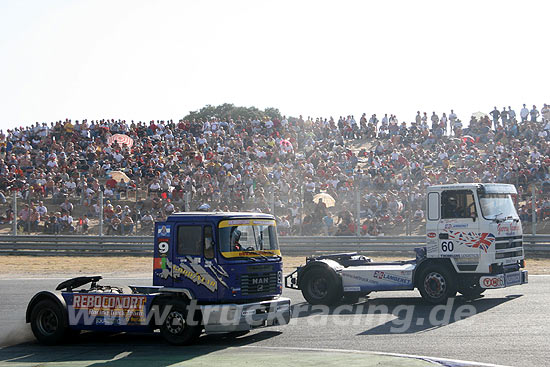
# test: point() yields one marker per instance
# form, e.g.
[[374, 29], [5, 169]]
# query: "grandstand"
[[308, 171]]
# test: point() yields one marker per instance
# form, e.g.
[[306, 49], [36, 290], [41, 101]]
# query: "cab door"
[[458, 229], [194, 263]]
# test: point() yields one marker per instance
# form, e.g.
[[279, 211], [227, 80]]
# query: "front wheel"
[[47, 322], [321, 287], [177, 328], [436, 284]]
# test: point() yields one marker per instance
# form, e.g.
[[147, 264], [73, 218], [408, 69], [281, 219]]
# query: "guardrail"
[[291, 245]]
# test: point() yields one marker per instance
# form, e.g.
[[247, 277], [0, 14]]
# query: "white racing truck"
[[474, 242]]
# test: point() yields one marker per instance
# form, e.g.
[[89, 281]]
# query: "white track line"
[[456, 362]]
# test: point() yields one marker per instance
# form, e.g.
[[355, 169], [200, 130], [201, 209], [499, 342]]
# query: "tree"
[[228, 110]]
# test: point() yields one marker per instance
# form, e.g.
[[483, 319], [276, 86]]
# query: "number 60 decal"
[[163, 247], [447, 246]]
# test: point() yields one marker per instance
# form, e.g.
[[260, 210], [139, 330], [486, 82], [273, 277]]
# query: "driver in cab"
[[452, 208], [235, 237]]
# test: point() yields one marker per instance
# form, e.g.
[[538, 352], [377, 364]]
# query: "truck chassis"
[[345, 277]]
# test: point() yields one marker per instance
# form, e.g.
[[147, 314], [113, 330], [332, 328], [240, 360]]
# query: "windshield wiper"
[[257, 253], [245, 258]]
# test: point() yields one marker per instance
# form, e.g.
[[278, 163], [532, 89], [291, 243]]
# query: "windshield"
[[248, 238], [497, 206]]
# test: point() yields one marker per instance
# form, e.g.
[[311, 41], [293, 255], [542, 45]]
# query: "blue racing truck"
[[215, 272]]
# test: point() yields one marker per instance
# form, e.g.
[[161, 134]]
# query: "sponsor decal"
[[163, 231], [513, 278], [451, 226], [193, 271], [465, 225], [238, 222], [459, 256], [262, 222], [360, 278], [431, 235], [507, 228], [352, 289], [492, 282], [119, 309], [474, 240], [254, 253], [200, 278], [432, 248], [246, 222], [391, 277]]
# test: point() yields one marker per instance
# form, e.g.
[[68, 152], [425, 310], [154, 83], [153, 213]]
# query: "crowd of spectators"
[[267, 164]]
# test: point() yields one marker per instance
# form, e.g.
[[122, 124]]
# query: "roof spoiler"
[[498, 189]]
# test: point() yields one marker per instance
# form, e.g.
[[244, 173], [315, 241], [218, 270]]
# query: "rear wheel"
[[436, 284], [321, 286], [177, 328], [47, 322]]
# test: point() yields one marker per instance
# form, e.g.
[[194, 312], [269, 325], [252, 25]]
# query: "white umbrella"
[[118, 175], [326, 198], [479, 115]]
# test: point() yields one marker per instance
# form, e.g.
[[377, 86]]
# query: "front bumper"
[[504, 280], [242, 317]]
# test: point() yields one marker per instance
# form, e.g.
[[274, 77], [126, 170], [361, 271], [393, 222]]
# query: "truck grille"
[[258, 283], [504, 255], [503, 243]]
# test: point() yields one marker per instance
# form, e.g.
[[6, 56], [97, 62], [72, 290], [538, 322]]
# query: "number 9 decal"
[[163, 247]]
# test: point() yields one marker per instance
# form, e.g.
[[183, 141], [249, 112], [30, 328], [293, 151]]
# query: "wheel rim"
[[435, 285], [318, 288], [175, 322], [48, 323]]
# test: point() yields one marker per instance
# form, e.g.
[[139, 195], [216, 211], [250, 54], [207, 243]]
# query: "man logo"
[[259, 281]]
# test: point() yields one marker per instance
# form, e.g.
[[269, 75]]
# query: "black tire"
[[47, 323], [437, 284], [175, 329], [321, 287], [472, 291]]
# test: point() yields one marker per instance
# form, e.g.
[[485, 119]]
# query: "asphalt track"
[[506, 327]]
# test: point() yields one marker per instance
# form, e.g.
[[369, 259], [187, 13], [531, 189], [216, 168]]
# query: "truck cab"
[[475, 226], [219, 257], [217, 272], [474, 242]]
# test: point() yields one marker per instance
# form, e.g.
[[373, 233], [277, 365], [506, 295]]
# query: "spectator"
[[83, 224], [66, 222], [127, 225], [534, 113], [524, 113], [24, 218], [67, 206], [114, 227], [147, 222]]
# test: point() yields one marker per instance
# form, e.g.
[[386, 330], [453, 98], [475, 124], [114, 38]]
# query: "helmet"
[[235, 236]]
